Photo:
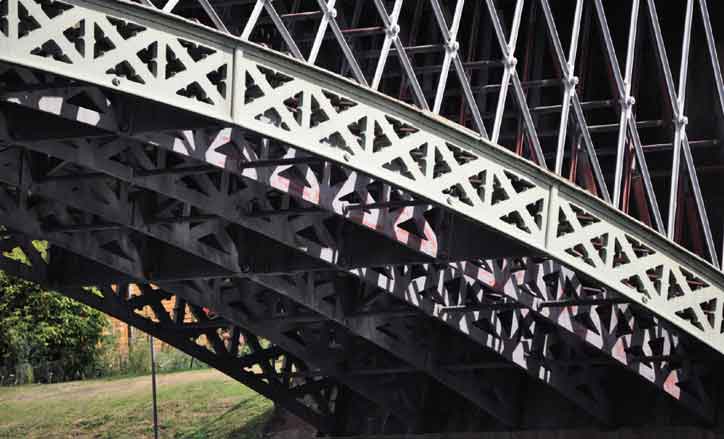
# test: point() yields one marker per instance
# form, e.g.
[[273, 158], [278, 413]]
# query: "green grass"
[[194, 405]]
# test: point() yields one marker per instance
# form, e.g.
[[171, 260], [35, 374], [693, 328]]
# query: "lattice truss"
[[498, 303], [290, 175], [190, 327], [304, 362]]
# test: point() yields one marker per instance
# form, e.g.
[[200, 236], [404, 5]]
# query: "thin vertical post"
[[681, 141], [566, 74], [680, 122], [509, 62], [153, 388], [633, 130], [569, 86], [626, 103]]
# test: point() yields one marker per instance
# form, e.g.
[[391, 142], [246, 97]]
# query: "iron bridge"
[[443, 216]]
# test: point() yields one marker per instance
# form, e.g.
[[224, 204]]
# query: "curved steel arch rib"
[[528, 283], [239, 83]]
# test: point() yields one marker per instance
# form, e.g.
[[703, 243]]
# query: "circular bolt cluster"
[[393, 31], [453, 46]]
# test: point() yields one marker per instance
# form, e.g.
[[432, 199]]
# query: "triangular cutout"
[[414, 227], [125, 70], [212, 241], [74, 35], [195, 91], [399, 166], [584, 319], [148, 56], [101, 43], [50, 49], [115, 248], [126, 29], [83, 100], [296, 175]]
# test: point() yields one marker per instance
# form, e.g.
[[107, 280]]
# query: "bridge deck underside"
[[452, 287]]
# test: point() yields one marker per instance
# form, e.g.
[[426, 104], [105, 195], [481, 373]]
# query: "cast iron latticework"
[[474, 215]]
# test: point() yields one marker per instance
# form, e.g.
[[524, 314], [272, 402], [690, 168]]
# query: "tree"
[[45, 336]]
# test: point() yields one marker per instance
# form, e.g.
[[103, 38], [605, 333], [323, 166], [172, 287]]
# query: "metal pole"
[[153, 388]]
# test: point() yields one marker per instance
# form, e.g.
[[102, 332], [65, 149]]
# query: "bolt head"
[[332, 13], [346, 157], [116, 81]]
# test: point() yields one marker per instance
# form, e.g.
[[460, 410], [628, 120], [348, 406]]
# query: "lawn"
[[195, 404]]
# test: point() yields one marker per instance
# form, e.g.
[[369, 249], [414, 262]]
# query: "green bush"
[[46, 336]]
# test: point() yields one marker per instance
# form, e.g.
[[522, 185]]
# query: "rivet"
[[116, 82]]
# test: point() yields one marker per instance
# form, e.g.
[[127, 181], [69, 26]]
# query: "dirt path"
[[93, 388]]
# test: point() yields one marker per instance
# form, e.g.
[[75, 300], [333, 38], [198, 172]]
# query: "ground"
[[194, 405]]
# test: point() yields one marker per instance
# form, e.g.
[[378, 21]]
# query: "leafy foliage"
[[46, 336]]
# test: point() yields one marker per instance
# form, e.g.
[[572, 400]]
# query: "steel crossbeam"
[[490, 396], [517, 287]]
